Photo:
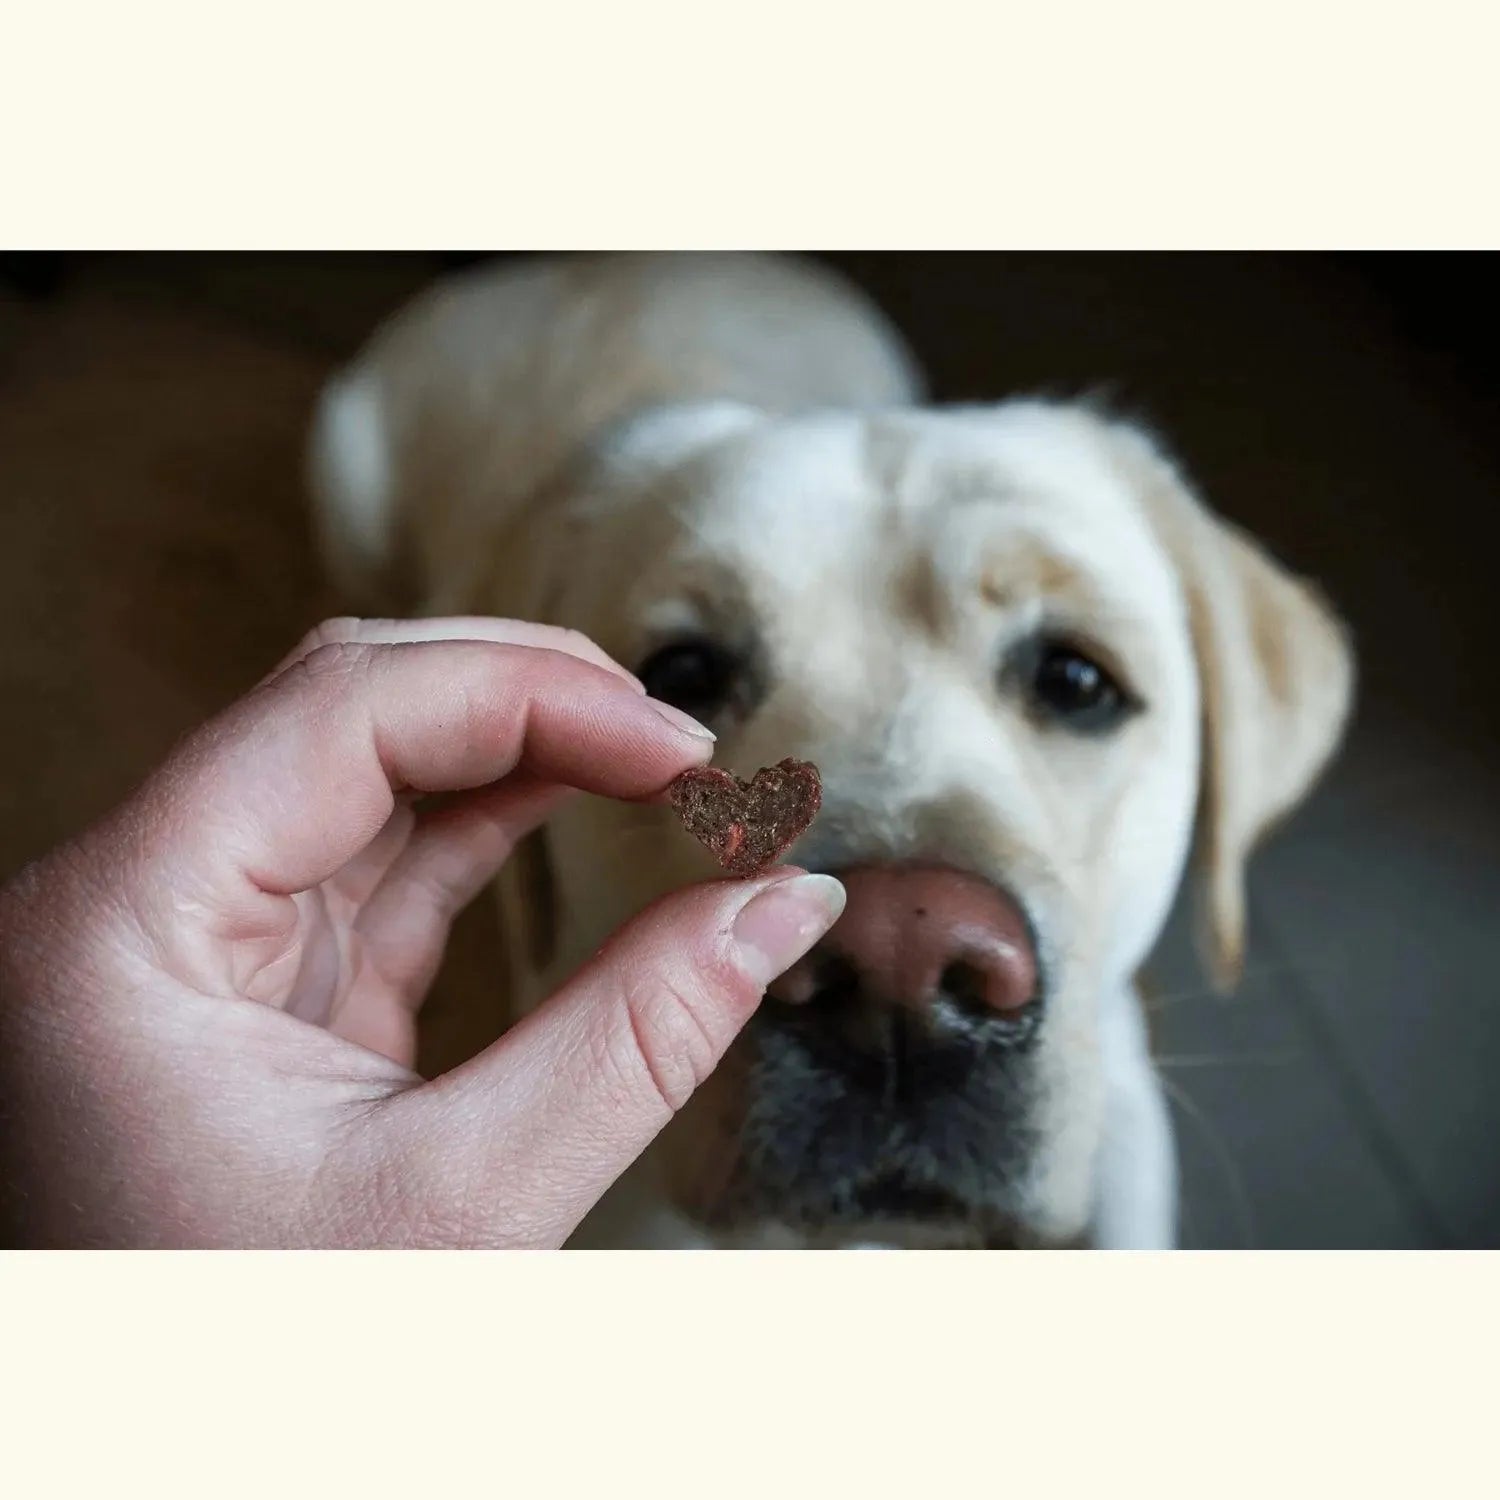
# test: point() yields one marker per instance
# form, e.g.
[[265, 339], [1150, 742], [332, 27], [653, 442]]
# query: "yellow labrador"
[[1026, 657]]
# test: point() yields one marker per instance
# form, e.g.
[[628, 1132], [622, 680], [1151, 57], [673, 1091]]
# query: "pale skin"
[[208, 1001]]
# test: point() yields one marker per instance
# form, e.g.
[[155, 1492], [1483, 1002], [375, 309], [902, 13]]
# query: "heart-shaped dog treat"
[[749, 824]]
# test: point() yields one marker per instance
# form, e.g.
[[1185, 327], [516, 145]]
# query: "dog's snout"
[[919, 937]]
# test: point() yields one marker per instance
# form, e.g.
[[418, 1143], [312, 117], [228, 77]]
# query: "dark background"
[[1344, 407]]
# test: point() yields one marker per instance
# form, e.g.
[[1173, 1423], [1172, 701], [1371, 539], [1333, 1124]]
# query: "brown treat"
[[749, 825]]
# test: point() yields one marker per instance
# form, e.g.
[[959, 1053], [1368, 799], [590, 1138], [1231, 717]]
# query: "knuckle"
[[675, 1045], [579, 644], [329, 632], [334, 663]]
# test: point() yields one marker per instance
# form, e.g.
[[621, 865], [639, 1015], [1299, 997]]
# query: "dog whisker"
[[1223, 1059], [1156, 1001], [1219, 1147]]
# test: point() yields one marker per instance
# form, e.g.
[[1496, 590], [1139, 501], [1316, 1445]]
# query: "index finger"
[[294, 780], [352, 630]]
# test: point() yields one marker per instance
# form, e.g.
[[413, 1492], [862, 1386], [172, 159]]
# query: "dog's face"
[[1000, 634]]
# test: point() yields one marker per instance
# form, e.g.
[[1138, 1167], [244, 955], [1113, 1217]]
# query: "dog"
[[1040, 677]]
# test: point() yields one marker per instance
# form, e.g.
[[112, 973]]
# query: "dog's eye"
[[698, 676], [1075, 690]]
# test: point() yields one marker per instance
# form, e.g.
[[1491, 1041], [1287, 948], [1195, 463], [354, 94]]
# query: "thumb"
[[515, 1147]]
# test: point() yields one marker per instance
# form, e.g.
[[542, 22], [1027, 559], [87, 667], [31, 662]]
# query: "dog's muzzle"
[[890, 1075]]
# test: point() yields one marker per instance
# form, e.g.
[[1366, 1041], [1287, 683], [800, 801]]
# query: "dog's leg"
[[1136, 1192]]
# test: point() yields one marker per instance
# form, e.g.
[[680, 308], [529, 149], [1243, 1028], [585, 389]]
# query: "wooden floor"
[[155, 561]]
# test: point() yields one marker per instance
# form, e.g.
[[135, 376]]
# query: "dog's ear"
[[1277, 676]]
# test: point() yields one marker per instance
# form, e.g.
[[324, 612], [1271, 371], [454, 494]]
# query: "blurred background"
[[154, 560]]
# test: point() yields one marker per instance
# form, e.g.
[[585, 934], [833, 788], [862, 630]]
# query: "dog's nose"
[[917, 936]]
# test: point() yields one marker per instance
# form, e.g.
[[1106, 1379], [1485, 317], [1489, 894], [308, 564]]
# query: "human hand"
[[208, 1000]]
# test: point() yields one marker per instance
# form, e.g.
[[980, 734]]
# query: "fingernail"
[[778, 926], [679, 720]]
